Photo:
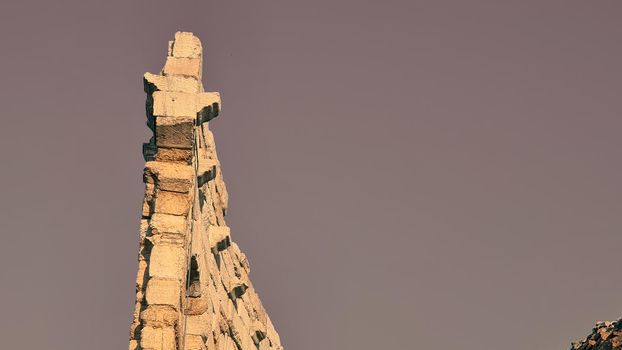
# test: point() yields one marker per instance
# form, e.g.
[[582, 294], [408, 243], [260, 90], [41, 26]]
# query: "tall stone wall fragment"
[[192, 286]]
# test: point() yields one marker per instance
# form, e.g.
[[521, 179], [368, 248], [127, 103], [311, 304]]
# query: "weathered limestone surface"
[[193, 290]]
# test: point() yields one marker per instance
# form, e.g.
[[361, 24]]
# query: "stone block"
[[172, 239], [141, 276], [242, 312], [194, 342], [240, 257], [174, 133], [135, 326], [271, 332], [166, 223], [196, 306], [198, 324], [172, 203], [148, 200], [205, 99], [184, 66], [183, 104], [144, 229], [163, 292], [154, 82], [224, 342], [227, 308], [184, 84], [207, 165], [186, 45], [172, 177], [210, 145], [134, 345], [221, 188], [204, 176], [158, 338], [210, 344], [174, 155], [233, 279], [219, 237], [159, 316], [174, 104], [264, 345], [167, 261], [146, 208], [240, 333], [259, 328], [258, 310]]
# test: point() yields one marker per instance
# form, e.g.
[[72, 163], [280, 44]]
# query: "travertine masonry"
[[192, 289]]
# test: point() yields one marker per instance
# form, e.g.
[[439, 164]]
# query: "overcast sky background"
[[402, 174]]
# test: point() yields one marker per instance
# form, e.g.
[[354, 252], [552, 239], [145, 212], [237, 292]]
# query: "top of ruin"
[[185, 45]]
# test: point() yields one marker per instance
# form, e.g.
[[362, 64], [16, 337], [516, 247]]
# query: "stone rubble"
[[193, 290], [605, 336]]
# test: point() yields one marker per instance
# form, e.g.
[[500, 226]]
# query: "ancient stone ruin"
[[604, 336], [192, 290]]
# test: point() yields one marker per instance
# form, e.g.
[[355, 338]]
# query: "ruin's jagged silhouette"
[[192, 288]]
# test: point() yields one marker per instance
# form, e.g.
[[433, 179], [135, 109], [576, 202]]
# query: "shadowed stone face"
[[192, 288]]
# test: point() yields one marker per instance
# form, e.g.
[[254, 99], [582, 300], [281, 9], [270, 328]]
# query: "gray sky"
[[403, 174]]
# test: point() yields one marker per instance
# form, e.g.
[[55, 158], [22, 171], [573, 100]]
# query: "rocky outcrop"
[[605, 336], [192, 289]]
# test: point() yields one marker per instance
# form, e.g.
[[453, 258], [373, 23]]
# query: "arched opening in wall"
[[193, 279]]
